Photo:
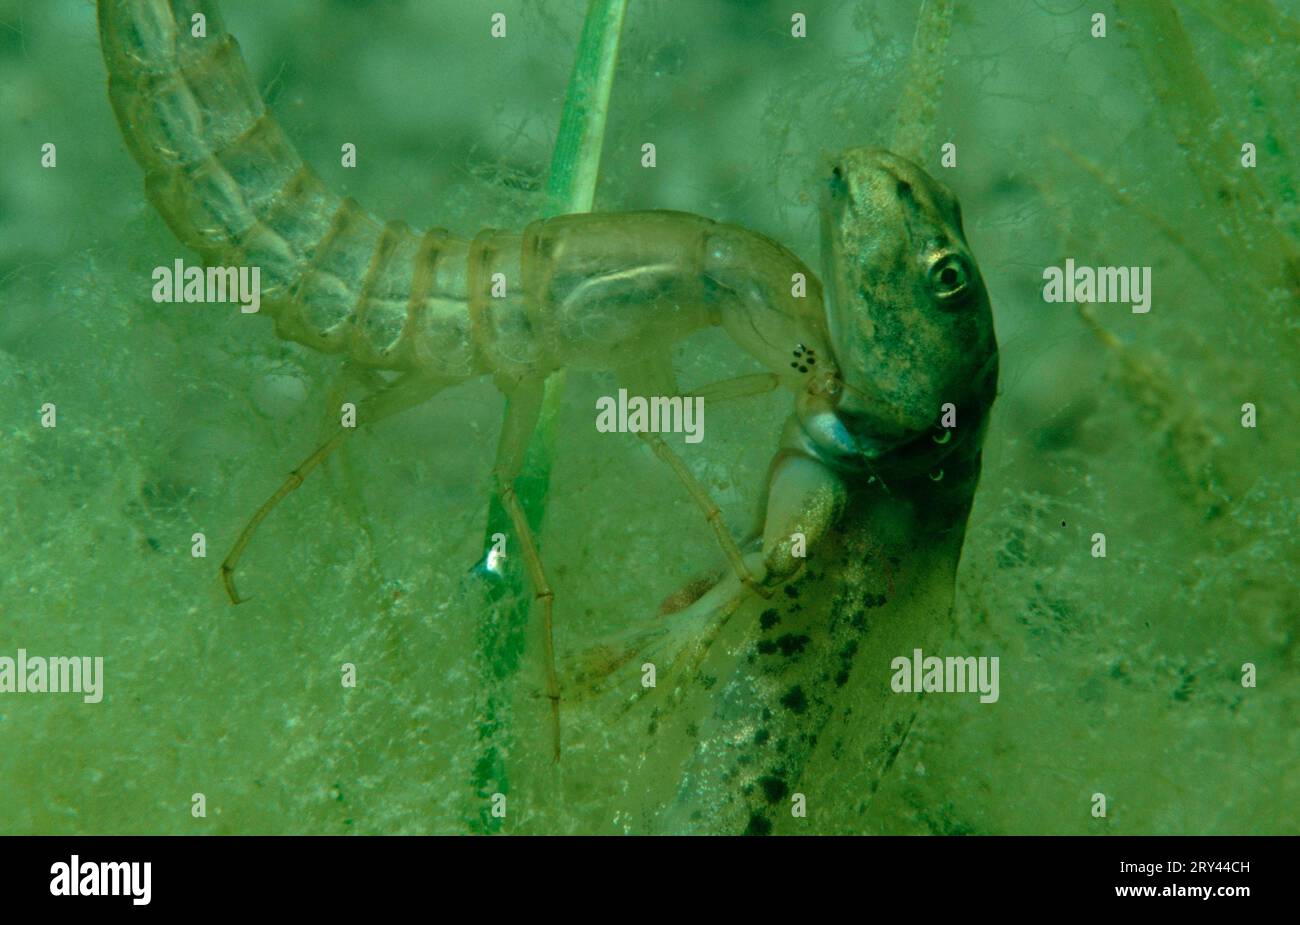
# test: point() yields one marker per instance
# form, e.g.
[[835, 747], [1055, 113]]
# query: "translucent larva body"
[[575, 291]]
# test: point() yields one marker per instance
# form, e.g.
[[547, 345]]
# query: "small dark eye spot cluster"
[[803, 358]]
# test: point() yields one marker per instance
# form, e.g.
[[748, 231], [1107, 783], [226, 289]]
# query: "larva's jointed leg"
[[712, 514], [404, 393], [523, 408]]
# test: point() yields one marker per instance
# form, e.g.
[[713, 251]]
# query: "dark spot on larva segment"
[[758, 826], [773, 788], [761, 737], [792, 645], [791, 591], [769, 618], [795, 700]]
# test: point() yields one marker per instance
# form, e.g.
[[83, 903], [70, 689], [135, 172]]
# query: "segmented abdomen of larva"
[[230, 184]]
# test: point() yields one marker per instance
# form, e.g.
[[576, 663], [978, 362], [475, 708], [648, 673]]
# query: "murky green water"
[[1119, 675]]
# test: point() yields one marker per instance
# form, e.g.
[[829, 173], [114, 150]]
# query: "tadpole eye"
[[950, 277]]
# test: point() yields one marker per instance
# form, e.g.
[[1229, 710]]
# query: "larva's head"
[[909, 316]]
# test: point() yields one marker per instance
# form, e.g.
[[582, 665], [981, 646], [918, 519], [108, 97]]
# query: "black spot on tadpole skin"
[[758, 826], [769, 618], [773, 788], [795, 700]]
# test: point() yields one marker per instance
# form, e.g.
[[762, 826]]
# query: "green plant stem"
[[570, 187]]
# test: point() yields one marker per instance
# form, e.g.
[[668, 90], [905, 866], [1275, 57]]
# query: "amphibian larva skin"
[[585, 291]]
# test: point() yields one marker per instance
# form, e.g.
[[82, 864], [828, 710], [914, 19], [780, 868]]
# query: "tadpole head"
[[908, 312]]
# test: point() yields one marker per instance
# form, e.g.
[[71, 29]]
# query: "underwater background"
[[1119, 675]]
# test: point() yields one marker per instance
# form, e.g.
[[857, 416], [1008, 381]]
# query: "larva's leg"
[[739, 387], [700, 495], [523, 407], [654, 376], [804, 500], [407, 392], [804, 497]]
